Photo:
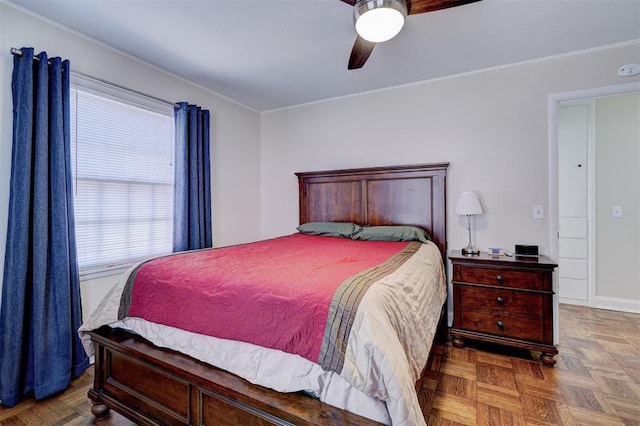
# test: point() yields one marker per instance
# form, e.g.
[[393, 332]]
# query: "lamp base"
[[470, 251]]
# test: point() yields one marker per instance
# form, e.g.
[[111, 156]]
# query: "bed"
[[152, 384]]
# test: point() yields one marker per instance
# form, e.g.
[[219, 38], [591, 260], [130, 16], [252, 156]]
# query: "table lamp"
[[469, 204]]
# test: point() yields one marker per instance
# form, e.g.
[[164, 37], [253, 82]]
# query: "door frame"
[[553, 101]]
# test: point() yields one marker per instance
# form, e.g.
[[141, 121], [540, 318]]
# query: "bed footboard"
[[150, 385]]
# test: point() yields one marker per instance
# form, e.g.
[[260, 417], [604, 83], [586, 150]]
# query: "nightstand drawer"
[[501, 300], [500, 277], [501, 324]]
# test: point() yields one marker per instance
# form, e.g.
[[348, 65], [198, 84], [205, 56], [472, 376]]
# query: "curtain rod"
[[18, 52]]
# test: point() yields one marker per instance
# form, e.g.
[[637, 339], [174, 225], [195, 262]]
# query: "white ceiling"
[[270, 54]]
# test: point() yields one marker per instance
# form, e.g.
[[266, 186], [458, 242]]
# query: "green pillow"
[[391, 233], [329, 229]]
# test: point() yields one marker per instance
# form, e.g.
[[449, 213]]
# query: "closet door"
[[574, 131]]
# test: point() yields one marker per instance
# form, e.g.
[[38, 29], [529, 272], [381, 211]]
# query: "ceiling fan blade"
[[421, 6], [360, 53]]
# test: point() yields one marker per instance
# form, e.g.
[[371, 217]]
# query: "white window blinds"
[[122, 159]]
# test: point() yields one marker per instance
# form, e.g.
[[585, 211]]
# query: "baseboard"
[[615, 304], [570, 301]]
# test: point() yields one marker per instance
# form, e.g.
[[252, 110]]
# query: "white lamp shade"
[[379, 20], [468, 203]]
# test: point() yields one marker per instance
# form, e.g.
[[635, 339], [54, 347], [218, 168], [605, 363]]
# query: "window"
[[122, 148]]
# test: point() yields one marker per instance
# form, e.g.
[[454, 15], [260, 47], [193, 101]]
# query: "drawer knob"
[[500, 278], [500, 325], [500, 300]]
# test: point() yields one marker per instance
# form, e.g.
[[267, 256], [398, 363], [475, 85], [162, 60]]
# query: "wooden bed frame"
[[150, 385]]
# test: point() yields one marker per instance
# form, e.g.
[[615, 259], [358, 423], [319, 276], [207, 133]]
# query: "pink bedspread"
[[273, 293]]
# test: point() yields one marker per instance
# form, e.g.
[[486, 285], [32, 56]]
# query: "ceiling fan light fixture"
[[379, 20]]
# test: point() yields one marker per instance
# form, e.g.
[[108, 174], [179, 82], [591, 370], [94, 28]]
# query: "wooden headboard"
[[395, 195]]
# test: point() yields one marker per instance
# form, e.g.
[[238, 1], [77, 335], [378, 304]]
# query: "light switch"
[[616, 211]]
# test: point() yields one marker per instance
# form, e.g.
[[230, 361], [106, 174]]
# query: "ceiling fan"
[[369, 14]]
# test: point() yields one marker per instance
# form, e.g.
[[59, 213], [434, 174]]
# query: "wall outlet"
[[538, 211], [616, 211]]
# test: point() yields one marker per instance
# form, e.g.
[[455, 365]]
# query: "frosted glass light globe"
[[377, 21]]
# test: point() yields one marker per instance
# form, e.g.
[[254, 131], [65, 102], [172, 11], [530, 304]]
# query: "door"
[[575, 131]]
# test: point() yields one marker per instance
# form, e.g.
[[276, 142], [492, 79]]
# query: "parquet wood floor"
[[595, 382]]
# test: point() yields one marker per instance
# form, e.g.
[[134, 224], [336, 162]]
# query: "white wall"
[[492, 126], [235, 130], [618, 184]]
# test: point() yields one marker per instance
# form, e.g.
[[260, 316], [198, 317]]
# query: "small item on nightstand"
[[526, 250], [494, 251]]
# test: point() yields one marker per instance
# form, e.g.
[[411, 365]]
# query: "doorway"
[[574, 227]]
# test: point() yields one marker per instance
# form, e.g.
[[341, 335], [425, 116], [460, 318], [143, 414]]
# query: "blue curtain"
[[192, 207], [40, 312]]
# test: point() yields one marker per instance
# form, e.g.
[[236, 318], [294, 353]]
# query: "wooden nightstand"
[[505, 300]]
